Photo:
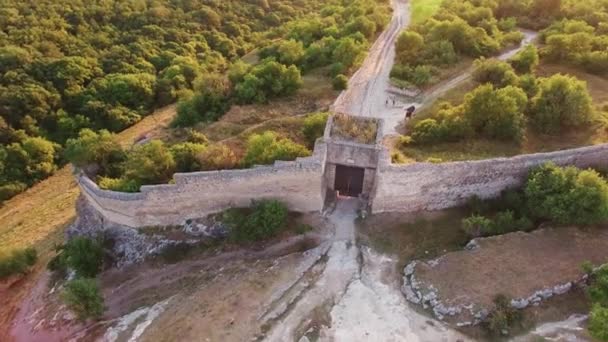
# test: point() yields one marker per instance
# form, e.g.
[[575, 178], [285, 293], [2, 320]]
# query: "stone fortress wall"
[[427, 186], [197, 194], [302, 184]]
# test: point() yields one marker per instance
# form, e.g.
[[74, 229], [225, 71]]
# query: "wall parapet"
[[429, 186], [197, 194]]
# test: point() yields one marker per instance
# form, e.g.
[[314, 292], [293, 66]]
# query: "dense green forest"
[[573, 31], [66, 66]]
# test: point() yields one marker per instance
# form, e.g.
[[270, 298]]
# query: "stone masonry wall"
[[426, 186], [299, 184]]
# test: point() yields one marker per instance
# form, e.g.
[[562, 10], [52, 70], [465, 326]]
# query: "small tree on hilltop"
[[82, 295]]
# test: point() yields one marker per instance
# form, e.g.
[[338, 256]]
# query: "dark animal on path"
[[409, 112]]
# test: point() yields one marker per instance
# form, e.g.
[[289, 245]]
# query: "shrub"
[[567, 195], [185, 156], [19, 261], [118, 184], [314, 127], [340, 82], [498, 73], [598, 291], [100, 148], [84, 256], [11, 189], [82, 295], [496, 113], [217, 157], [427, 131], [526, 61], [268, 147], [562, 102], [150, 163], [208, 103], [265, 220], [408, 47], [267, 80], [598, 322], [502, 317], [506, 222], [476, 225]]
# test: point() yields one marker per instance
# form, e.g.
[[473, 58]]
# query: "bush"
[[84, 256], [217, 157], [498, 73], [340, 82], [567, 195], [82, 295], [476, 225], [562, 102], [265, 220], [526, 61], [506, 222], [496, 113], [598, 322], [314, 127], [268, 147], [502, 317], [150, 163], [598, 291], [118, 184], [185, 156], [209, 102], [18, 261], [267, 80], [427, 131], [100, 148], [11, 189]]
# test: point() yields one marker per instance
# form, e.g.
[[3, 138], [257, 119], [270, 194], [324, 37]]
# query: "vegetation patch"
[[263, 220], [355, 129], [83, 296], [17, 262]]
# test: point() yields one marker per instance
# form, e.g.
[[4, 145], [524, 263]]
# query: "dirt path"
[[366, 94], [368, 88], [356, 298]]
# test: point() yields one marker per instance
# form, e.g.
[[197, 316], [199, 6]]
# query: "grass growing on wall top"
[[423, 9]]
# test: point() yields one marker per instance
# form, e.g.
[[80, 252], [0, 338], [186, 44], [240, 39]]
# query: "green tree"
[[314, 127], [526, 60], [100, 148], [496, 113], [340, 82], [268, 147], [150, 163], [562, 102], [598, 322], [83, 255], [409, 47], [186, 156], [83, 296], [31, 160], [499, 74], [567, 195]]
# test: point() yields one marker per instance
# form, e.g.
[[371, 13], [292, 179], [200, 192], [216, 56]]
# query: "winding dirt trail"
[[367, 91]]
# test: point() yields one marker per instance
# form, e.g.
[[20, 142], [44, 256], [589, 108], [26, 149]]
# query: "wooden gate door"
[[349, 180]]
